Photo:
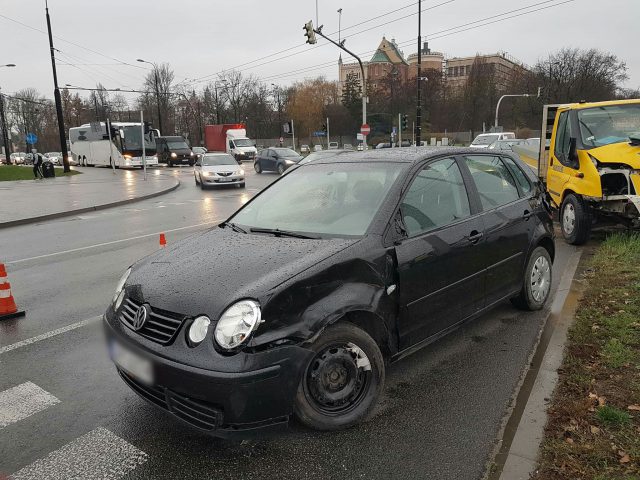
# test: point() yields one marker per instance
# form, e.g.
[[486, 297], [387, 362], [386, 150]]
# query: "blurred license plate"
[[132, 363], [225, 179]]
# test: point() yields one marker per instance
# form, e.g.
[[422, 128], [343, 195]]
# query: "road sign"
[[281, 139], [359, 136], [365, 129], [32, 138], [319, 133], [394, 132]]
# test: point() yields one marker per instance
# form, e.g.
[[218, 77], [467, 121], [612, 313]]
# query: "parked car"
[[172, 150], [28, 158], [333, 146], [17, 158], [3, 159], [356, 261], [322, 155], [485, 139], [506, 144], [275, 159], [54, 157], [347, 146], [218, 168], [317, 148], [305, 149], [383, 145], [360, 147]]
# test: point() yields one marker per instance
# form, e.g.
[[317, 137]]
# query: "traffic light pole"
[[341, 46], [419, 77], [58, 100], [399, 130], [5, 136]]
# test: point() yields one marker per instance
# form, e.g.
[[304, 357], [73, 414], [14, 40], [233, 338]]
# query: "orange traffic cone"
[[8, 307], [163, 241]]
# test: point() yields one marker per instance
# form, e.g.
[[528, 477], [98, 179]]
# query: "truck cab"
[[238, 145], [590, 162]]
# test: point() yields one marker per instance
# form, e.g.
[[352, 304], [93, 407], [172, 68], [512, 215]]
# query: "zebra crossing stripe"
[[23, 401], [97, 454]]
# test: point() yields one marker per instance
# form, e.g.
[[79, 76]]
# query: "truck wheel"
[[575, 220], [536, 284], [343, 380]]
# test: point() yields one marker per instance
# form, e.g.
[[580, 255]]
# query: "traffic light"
[[324, 127], [405, 122], [309, 33]]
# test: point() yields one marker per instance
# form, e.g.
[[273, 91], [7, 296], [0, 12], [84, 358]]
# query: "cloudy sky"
[[100, 41]]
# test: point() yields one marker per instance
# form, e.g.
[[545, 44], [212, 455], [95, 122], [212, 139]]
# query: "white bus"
[[90, 145]]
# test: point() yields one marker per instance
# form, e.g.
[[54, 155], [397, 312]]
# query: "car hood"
[[181, 151], [207, 272], [617, 153]]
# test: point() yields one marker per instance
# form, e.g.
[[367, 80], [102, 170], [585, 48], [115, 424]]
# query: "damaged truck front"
[[589, 158]]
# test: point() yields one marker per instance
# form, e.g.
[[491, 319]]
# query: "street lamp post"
[[3, 124], [277, 91], [339, 24], [512, 95], [155, 72], [215, 89]]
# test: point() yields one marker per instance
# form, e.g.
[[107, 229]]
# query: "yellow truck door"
[[559, 172]]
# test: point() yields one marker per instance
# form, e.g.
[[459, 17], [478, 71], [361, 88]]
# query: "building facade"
[[388, 58]]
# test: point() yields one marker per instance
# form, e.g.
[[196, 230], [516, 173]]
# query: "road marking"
[[113, 242], [22, 401], [97, 454], [52, 333]]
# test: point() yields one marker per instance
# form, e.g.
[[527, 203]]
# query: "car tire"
[[536, 284], [280, 169], [195, 177], [257, 167], [575, 220], [347, 355], [169, 163]]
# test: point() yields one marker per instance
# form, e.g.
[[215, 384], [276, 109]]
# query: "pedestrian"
[[37, 164]]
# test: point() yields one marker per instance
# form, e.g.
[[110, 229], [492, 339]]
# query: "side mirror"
[[573, 154]]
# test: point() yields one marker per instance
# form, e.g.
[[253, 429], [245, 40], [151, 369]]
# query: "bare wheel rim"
[[337, 379], [569, 219], [540, 279]]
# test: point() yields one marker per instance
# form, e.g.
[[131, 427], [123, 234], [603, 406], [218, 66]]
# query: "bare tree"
[[159, 83]]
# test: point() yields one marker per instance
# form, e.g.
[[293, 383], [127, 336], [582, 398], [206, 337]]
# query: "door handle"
[[527, 215], [475, 236]]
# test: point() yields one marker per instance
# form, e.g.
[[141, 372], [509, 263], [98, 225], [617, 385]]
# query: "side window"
[[230, 143], [496, 186], [521, 178], [437, 197], [563, 136]]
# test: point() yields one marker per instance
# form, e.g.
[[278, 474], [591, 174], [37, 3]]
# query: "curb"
[[51, 216], [523, 433]]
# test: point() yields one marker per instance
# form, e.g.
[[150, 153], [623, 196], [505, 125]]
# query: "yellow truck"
[[589, 160]]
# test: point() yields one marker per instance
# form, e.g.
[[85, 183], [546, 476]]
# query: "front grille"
[[224, 174], [195, 412], [161, 326]]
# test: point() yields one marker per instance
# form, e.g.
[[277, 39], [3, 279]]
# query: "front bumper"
[[230, 180], [223, 404]]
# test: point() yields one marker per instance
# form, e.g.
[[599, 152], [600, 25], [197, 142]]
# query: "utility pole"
[[419, 77], [58, 100], [156, 81], [328, 140]]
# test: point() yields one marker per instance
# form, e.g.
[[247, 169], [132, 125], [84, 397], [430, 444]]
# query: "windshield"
[[485, 139], [178, 145], [337, 199], [212, 160], [286, 152], [132, 136], [243, 142], [612, 124]]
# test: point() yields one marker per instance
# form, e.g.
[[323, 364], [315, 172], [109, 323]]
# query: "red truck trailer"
[[230, 138]]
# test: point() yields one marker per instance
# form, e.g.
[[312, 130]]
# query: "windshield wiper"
[[234, 227], [281, 233]]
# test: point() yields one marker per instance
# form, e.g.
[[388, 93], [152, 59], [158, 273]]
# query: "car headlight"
[[120, 285], [198, 329], [127, 157], [289, 162], [239, 172], [191, 154], [173, 155], [237, 323], [207, 174]]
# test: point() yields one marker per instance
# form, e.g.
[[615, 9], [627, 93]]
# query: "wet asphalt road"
[[439, 418]]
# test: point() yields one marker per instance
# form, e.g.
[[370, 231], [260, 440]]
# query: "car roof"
[[401, 155]]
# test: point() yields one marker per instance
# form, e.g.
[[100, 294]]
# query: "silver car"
[[218, 168]]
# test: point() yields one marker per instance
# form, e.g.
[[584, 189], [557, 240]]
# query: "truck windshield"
[[326, 200], [484, 139], [243, 142], [611, 124], [132, 139]]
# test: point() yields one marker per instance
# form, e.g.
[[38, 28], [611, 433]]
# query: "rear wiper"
[[281, 233], [234, 227]]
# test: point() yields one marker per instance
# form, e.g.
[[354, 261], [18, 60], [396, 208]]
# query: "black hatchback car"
[[352, 262], [275, 159]]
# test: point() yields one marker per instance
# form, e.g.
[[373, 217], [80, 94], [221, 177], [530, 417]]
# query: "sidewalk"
[[28, 201]]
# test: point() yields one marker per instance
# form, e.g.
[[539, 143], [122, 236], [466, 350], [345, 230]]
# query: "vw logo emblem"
[[140, 318]]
